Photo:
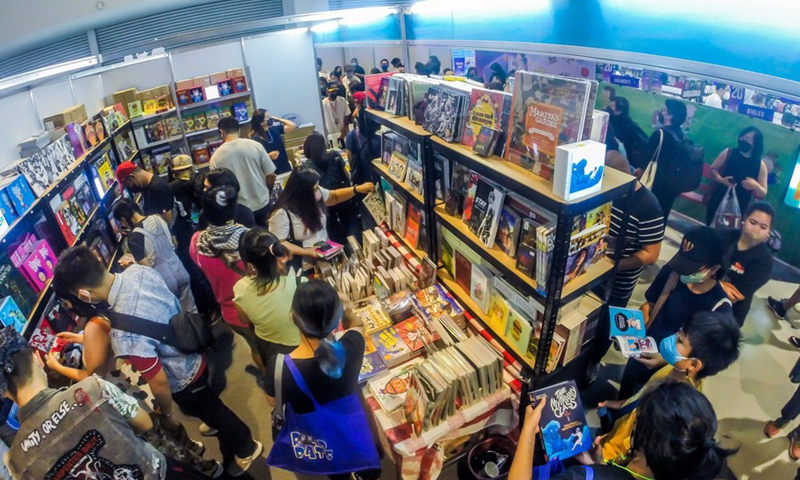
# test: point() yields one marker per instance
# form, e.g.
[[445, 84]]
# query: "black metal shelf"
[[399, 124], [409, 192]]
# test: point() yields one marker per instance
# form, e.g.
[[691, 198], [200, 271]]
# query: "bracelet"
[[354, 189], [161, 414]]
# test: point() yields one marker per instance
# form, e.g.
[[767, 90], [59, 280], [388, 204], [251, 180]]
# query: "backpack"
[[686, 171], [636, 146]]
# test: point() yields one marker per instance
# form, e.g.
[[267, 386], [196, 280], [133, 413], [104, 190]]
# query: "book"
[[375, 90], [526, 260], [11, 315], [634, 347], [469, 197], [572, 327], [375, 206], [441, 168], [448, 257], [390, 390], [13, 284], [508, 229], [485, 110], [485, 216], [38, 267], [481, 287], [391, 347], [443, 113], [518, 331], [626, 322], [463, 271], [599, 215], [563, 423], [397, 166], [498, 313], [414, 177], [331, 250], [585, 250], [461, 178], [556, 351], [412, 228], [547, 111], [414, 334], [21, 195], [43, 336], [372, 366], [486, 141], [370, 312], [579, 169]]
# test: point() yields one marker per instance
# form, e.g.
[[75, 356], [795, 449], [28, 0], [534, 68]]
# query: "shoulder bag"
[[188, 332], [333, 439], [649, 175], [669, 286]]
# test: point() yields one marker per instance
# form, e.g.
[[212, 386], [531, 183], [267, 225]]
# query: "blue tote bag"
[[333, 439]]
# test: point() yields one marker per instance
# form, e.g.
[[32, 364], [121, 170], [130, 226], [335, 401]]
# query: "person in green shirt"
[[263, 298]]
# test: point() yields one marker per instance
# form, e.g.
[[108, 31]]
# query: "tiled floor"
[[745, 396]]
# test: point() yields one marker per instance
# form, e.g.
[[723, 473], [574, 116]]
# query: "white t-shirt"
[[713, 100], [279, 226], [334, 114], [250, 163]]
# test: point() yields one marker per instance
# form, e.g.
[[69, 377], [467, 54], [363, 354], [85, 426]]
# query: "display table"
[[421, 458]]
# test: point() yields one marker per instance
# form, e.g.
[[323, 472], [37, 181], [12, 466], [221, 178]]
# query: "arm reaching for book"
[[651, 360], [522, 466]]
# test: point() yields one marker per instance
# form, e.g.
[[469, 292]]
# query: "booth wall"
[[52, 98], [331, 57], [142, 76], [207, 60], [24, 124], [88, 91]]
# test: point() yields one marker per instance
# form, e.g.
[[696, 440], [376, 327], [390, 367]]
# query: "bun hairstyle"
[[674, 430], [317, 311], [219, 205], [262, 249]]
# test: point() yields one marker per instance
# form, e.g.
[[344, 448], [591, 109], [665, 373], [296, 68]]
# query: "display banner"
[[463, 60], [760, 113], [625, 81]]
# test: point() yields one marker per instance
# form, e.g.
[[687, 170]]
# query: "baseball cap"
[[359, 96], [700, 246], [124, 171], [181, 162]]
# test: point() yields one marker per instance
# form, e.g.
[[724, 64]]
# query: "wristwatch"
[[354, 189]]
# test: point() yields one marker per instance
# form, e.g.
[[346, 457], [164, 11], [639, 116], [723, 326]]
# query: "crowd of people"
[[220, 245]]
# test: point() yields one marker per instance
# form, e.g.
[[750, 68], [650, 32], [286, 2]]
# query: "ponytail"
[[331, 357], [711, 461]]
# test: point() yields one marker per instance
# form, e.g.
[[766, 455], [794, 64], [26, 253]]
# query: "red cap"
[[124, 171], [359, 97]]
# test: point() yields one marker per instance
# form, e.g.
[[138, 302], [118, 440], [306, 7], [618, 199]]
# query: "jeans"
[[791, 410], [198, 400], [666, 198]]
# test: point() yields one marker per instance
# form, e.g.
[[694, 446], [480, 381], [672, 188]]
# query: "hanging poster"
[[463, 59]]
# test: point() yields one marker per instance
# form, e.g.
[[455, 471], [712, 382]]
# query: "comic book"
[[563, 424]]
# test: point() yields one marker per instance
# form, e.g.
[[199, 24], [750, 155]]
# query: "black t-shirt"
[[681, 304], [136, 243], [273, 142], [182, 228], [157, 197], [244, 216], [601, 472], [359, 70], [324, 388], [667, 158], [749, 270], [645, 227]]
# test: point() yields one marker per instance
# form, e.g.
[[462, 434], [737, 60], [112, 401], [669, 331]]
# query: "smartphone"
[[323, 246]]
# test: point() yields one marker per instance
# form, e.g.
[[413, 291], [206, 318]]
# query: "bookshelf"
[[412, 194], [536, 190]]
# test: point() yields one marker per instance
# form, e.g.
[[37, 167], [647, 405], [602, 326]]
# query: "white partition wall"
[[284, 76], [23, 123], [365, 55], [89, 92], [52, 98], [388, 52], [141, 76], [331, 57], [207, 60]]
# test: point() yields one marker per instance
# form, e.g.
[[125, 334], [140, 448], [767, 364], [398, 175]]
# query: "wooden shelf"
[[527, 184], [384, 171], [466, 301], [154, 116], [400, 124], [596, 274], [205, 103], [495, 256]]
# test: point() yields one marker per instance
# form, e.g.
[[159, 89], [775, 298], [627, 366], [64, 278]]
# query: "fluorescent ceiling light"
[[42, 73], [446, 7], [114, 66], [367, 15], [325, 27]]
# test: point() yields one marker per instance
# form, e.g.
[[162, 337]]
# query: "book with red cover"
[[463, 271], [469, 198], [485, 109], [413, 219], [375, 93], [414, 333]]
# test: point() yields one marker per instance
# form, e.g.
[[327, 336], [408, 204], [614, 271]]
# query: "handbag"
[[333, 439], [794, 375], [188, 332], [729, 215], [649, 175]]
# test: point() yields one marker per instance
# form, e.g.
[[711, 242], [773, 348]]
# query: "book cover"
[[485, 110], [463, 271], [596, 216], [399, 208], [448, 257], [34, 267], [76, 139], [105, 172], [441, 168], [7, 206], [390, 390], [371, 313], [634, 346], [485, 216], [469, 198], [372, 366], [397, 166], [579, 169], [414, 334], [375, 206], [374, 92], [508, 229], [412, 230], [442, 114], [21, 195], [481, 287], [518, 331], [526, 260], [486, 141], [13, 284], [462, 176], [414, 177], [11, 315], [43, 336], [498, 313], [547, 111], [563, 424], [627, 322], [585, 249], [418, 98], [572, 326], [390, 346], [556, 351]]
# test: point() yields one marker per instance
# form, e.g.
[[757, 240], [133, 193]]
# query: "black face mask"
[[134, 188], [744, 146], [660, 118], [270, 122]]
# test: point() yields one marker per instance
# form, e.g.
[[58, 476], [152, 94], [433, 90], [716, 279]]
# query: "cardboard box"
[[135, 109], [218, 77], [239, 84], [54, 122], [124, 97], [184, 85], [235, 72], [203, 81], [75, 113]]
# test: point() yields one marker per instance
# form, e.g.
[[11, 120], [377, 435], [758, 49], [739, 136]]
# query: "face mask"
[[318, 195], [744, 146], [696, 277], [349, 74], [134, 188], [660, 118], [726, 96], [354, 64], [384, 67], [669, 350]]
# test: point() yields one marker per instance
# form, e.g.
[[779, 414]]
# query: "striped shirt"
[[645, 227]]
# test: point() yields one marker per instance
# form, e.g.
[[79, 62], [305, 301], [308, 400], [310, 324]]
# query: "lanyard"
[[631, 472]]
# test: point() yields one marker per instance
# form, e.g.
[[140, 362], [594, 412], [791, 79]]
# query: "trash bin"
[[488, 459]]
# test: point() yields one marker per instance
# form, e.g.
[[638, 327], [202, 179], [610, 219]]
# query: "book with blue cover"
[[564, 429], [628, 330], [11, 315]]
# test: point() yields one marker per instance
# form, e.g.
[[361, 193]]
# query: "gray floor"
[[745, 396]]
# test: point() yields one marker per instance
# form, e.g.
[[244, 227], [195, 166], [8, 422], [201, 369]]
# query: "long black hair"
[[317, 311], [315, 149], [298, 198], [262, 250], [674, 430], [256, 123], [758, 141]]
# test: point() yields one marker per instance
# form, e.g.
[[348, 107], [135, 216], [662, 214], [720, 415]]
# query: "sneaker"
[[794, 447], [212, 469], [240, 465], [795, 342], [198, 448], [777, 308], [773, 428], [207, 431]]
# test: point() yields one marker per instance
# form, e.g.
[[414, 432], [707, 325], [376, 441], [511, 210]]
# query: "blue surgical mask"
[[696, 277], [669, 350]]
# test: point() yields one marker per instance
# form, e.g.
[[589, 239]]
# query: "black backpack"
[[687, 165]]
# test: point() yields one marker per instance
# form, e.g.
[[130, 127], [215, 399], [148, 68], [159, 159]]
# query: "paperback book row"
[[545, 112], [72, 207], [210, 87], [403, 159], [406, 219], [512, 315]]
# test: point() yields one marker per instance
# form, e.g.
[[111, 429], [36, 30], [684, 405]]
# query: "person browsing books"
[[150, 243], [664, 146], [686, 285], [708, 343], [222, 177], [328, 367], [157, 198], [300, 216], [749, 257], [268, 131], [685, 450], [263, 298]]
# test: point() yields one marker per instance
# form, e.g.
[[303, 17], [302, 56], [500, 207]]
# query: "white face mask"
[[318, 195], [727, 96]]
